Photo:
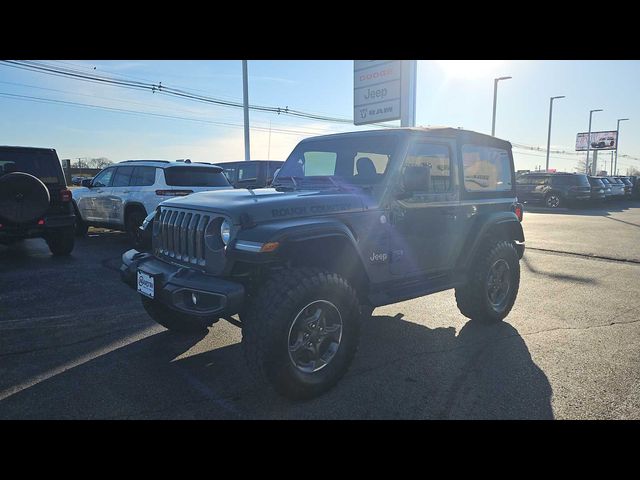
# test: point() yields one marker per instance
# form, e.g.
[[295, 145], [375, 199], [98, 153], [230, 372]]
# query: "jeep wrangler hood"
[[266, 204]]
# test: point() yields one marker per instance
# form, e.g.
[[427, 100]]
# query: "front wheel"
[[493, 283], [301, 331]]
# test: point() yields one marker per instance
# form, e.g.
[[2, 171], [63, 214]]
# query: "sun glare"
[[469, 68]]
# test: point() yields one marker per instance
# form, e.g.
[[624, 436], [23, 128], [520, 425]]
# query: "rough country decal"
[[313, 209]]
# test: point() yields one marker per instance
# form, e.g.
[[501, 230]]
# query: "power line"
[[97, 78], [137, 112]]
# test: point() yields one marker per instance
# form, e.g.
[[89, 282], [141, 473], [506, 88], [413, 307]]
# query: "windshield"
[[358, 160], [43, 164]]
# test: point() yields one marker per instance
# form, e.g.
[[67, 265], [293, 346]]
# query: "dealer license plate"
[[145, 284]]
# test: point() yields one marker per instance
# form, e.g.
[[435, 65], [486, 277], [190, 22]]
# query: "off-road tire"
[[269, 316], [172, 320], [61, 242], [134, 219], [472, 298]]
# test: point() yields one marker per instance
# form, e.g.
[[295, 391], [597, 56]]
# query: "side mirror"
[[416, 178], [87, 182]]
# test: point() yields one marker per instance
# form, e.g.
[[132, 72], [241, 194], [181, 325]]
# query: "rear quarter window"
[[486, 169], [195, 177]]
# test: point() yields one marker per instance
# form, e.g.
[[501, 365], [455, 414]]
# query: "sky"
[[455, 93]]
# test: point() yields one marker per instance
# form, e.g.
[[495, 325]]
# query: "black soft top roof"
[[458, 133]]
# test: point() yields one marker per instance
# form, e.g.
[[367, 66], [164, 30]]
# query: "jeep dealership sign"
[[599, 141], [376, 91]]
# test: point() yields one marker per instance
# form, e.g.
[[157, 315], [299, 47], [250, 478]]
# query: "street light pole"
[[495, 100], [549, 134], [617, 142], [589, 139], [245, 99]]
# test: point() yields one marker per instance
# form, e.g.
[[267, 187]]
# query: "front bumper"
[[176, 286]]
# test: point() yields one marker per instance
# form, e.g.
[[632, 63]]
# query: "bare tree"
[[98, 162], [581, 165], [632, 171]]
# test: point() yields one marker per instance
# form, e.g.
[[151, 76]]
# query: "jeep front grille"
[[180, 235]]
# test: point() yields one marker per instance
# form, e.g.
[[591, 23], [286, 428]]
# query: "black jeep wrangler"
[[34, 198], [353, 221]]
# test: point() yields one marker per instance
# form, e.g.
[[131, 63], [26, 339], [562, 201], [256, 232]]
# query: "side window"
[[143, 176], [486, 169], [433, 162], [103, 179], [122, 177], [378, 160]]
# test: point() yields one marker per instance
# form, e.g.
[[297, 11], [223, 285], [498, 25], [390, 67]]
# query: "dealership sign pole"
[[384, 90], [589, 139]]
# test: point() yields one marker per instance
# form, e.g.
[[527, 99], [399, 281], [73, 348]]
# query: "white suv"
[[122, 195]]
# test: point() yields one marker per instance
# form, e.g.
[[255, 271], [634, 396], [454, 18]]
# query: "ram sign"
[[599, 141]]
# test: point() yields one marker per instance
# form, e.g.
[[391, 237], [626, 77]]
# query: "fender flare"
[[504, 220]]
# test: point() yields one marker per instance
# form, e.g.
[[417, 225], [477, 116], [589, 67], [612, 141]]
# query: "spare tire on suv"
[[23, 197], [34, 199]]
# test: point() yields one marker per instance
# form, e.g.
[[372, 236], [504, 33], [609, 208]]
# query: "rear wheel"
[[493, 283], [61, 242]]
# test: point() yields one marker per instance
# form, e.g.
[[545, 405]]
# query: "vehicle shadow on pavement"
[[557, 276], [403, 370]]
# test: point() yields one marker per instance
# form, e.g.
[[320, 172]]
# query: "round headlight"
[[225, 231]]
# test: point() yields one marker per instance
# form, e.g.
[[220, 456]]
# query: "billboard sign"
[[376, 91], [599, 141]]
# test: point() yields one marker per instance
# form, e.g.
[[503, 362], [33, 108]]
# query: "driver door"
[[91, 205], [424, 221]]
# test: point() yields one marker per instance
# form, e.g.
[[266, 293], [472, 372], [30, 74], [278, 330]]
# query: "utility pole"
[[245, 99]]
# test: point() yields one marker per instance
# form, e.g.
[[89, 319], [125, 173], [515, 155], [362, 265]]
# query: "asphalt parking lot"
[[75, 342]]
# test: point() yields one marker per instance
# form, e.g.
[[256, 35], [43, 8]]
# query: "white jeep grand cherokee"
[[122, 195]]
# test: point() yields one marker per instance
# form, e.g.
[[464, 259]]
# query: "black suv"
[[353, 221], [554, 190], [34, 199], [250, 173]]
